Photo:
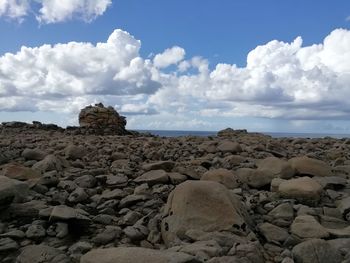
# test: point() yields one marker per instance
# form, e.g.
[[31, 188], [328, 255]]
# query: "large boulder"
[[310, 166], [102, 120], [277, 167], [201, 205], [134, 255], [303, 189], [223, 176]]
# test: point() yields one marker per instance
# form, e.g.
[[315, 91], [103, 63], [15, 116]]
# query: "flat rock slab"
[[153, 177], [134, 255]]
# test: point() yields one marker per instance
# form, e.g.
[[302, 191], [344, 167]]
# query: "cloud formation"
[[54, 11], [280, 81]]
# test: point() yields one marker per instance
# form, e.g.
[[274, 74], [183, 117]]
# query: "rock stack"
[[99, 119], [242, 197]]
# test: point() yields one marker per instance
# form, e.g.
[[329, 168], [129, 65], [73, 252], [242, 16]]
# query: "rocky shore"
[[68, 196]]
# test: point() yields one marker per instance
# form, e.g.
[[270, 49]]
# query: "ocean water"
[[169, 133]]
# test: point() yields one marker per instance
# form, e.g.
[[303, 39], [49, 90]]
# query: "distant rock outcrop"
[[99, 119]]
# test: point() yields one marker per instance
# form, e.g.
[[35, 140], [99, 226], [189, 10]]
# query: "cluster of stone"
[[241, 197], [99, 119]]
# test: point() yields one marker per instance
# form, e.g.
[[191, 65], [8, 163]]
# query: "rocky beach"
[[100, 193]]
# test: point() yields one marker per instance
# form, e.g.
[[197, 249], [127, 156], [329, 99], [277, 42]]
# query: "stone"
[[74, 152], [81, 247], [49, 163], [14, 234], [306, 226], [35, 232], [255, 178], [229, 147], [42, 254], [277, 167], [99, 119], [310, 166], [223, 176], [19, 172], [153, 177], [303, 189], [343, 206], [177, 178], [78, 195], [134, 255], [161, 165], [66, 213], [201, 205], [315, 250], [7, 244], [33, 154], [273, 233], [107, 235], [85, 181], [11, 190], [283, 211]]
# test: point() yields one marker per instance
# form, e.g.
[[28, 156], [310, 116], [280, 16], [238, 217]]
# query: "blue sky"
[[217, 31]]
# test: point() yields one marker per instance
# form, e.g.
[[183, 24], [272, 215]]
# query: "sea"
[[176, 133]]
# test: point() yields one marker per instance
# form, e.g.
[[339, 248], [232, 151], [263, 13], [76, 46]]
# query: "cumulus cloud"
[[48, 74], [280, 81], [54, 11], [169, 57]]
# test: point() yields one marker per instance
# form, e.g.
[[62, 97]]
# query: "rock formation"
[[99, 119]]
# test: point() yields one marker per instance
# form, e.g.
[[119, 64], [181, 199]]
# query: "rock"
[[134, 255], [108, 235], [35, 232], [161, 165], [11, 191], [78, 195], [255, 178], [273, 233], [223, 176], [315, 250], [80, 247], [42, 254], [303, 189], [85, 181], [344, 207], [309, 166], [153, 177], [7, 245], [49, 163], [201, 205], [307, 227], [331, 182], [74, 152], [177, 178], [14, 234], [33, 154], [101, 120], [66, 213], [202, 250], [276, 167], [19, 172], [229, 147], [229, 132]]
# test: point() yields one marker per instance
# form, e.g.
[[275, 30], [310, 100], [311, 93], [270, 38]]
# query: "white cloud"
[[14, 9], [48, 74], [54, 11], [169, 57], [280, 81]]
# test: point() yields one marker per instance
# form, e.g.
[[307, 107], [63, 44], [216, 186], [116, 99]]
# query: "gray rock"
[[161, 165], [109, 234], [273, 233], [78, 195], [75, 152], [42, 254], [153, 177], [86, 181], [7, 244], [35, 232], [223, 176], [310, 166], [135, 255], [306, 226], [11, 190], [33, 154], [277, 167], [315, 250]]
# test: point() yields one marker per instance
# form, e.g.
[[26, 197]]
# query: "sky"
[[273, 66]]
